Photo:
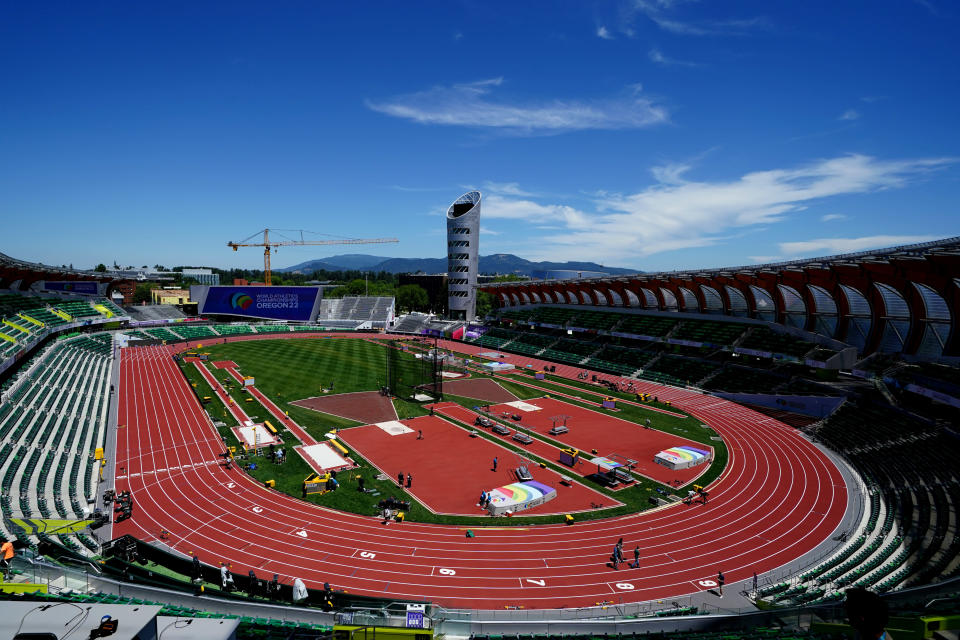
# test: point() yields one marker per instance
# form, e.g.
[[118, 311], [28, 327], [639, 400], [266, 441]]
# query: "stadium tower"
[[463, 243]]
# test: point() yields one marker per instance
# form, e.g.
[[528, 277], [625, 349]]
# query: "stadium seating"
[[736, 379], [52, 422], [232, 329], [272, 328], [718, 333], [411, 323], [761, 338], [687, 369], [192, 331], [654, 326], [515, 315], [78, 309], [376, 310], [911, 464], [43, 317], [110, 306], [552, 315], [163, 334], [595, 319]]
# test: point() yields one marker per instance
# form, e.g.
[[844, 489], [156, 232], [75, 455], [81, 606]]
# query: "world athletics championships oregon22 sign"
[[296, 304]]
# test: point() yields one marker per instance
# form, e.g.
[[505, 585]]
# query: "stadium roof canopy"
[[19, 275], [899, 299]]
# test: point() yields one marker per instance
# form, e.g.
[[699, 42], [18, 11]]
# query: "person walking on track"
[[494, 463], [400, 479], [720, 582]]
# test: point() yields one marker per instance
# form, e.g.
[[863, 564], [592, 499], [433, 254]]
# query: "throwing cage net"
[[412, 378]]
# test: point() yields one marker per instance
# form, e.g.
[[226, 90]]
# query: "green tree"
[[101, 268], [484, 303], [412, 297], [142, 292]]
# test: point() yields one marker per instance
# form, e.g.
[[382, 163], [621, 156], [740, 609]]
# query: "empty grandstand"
[[53, 417], [890, 300], [365, 312]]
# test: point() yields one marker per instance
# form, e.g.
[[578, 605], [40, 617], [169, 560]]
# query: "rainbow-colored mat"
[[682, 457], [519, 496]]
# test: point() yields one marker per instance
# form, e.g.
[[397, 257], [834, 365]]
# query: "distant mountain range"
[[501, 263]]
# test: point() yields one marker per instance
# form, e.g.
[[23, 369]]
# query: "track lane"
[[778, 497]]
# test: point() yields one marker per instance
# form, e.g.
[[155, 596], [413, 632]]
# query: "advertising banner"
[[85, 287], [297, 304]]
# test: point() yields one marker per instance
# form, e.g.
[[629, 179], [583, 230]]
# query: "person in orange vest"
[[7, 551]]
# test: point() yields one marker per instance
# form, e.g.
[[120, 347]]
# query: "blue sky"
[[653, 134]]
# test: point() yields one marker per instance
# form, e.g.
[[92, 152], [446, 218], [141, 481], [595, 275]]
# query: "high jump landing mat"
[[322, 458], [255, 436]]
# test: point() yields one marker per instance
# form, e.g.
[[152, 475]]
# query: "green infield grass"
[[297, 368]]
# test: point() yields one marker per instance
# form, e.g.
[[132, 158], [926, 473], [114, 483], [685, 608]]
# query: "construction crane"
[[267, 244]]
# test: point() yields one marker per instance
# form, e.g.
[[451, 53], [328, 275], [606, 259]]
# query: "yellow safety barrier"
[[15, 326], [342, 448], [103, 310], [23, 587], [33, 320]]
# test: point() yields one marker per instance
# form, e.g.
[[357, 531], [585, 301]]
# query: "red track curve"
[[778, 498]]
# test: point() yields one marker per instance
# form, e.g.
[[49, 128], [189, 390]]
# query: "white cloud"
[[659, 12], [762, 259], [498, 206], [602, 32], [506, 188], [677, 213], [831, 246], [833, 216], [670, 173], [849, 114], [471, 105], [658, 57], [489, 232]]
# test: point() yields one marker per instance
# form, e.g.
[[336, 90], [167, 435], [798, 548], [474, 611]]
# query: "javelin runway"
[[778, 498]]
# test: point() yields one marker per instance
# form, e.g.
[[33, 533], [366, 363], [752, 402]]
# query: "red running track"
[[778, 498], [609, 435], [449, 469]]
